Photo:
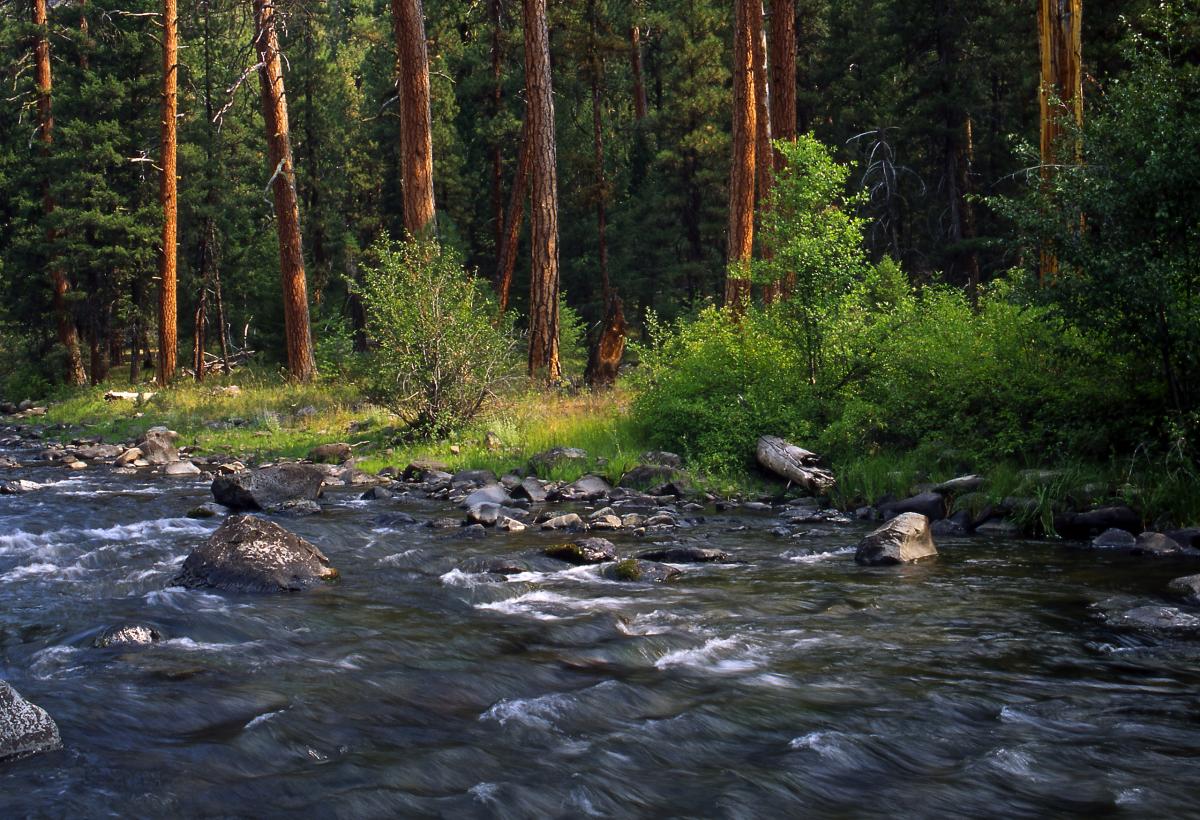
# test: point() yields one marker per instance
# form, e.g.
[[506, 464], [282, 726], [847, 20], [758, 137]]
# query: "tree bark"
[[283, 185], [68, 337], [167, 320], [600, 179], [496, 13], [764, 169], [512, 220], [742, 166], [604, 359], [543, 276], [782, 54], [635, 69], [1060, 25], [416, 135]]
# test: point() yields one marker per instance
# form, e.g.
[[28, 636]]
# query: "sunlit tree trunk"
[[543, 209], [764, 170], [68, 337], [283, 185], [513, 217], [1060, 24], [742, 167], [416, 136], [635, 69], [782, 63], [167, 327]]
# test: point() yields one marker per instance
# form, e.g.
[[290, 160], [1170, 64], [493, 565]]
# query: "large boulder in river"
[[588, 488], [584, 551], [158, 445], [904, 539], [685, 555], [487, 494], [269, 488], [249, 554], [636, 570], [25, 729]]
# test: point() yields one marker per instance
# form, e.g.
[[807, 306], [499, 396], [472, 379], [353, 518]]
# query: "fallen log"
[[127, 395], [796, 464]]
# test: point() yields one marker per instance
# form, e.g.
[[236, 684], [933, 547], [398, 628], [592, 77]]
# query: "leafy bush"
[[438, 353]]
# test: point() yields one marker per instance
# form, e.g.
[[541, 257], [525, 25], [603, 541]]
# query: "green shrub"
[[438, 354]]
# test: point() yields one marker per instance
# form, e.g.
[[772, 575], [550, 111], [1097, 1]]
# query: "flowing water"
[[793, 683]]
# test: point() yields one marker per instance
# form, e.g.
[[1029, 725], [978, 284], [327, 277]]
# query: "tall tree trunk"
[[742, 166], [167, 329], [764, 169], [969, 231], [496, 14], [599, 179], [635, 69], [68, 337], [1060, 25], [136, 332], [543, 275], [283, 185], [782, 48], [512, 219], [416, 136]]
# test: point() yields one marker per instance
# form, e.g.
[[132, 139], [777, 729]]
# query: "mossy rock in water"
[[648, 572], [584, 551]]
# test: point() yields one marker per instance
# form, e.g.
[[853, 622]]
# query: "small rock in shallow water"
[[570, 521], [376, 494], [506, 524], [584, 551], [127, 635], [208, 510], [181, 468], [635, 570], [1188, 587], [1114, 539], [999, 528], [19, 486], [25, 729], [1155, 545], [685, 555]]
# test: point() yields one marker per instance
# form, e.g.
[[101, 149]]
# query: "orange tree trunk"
[[764, 171], [741, 172], [543, 210], [1060, 24], [782, 59], [167, 327], [67, 335], [513, 217], [287, 212], [416, 139], [635, 68]]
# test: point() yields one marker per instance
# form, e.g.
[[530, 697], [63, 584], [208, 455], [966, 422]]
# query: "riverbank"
[[256, 418]]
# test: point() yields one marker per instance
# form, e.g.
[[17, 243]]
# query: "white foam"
[[536, 603], [714, 656], [815, 557], [397, 558], [538, 713], [30, 570], [457, 578], [54, 661], [484, 792], [829, 745], [263, 718]]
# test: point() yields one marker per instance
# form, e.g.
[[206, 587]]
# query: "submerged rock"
[[584, 551], [685, 555], [636, 570], [25, 729], [904, 539], [1114, 539], [250, 554], [206, 510], [270, 487], [127, 635]]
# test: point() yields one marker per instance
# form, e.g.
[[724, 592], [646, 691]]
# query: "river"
[[791, 683]]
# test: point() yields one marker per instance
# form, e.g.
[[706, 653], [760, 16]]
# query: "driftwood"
[[796, 464], [227, 364]]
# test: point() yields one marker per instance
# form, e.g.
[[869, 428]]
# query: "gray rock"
[[25, 729], [250, 554], [999, 528], [270, 487], [506, 524], [1155, 545], [639, 571], [544, 462], [930, 504], [1189, 537], [685, 555], [1154, 616], [474, 531], [1097, 521], [474, 477], [127, 635], [531, 489], [1188, 587], [417, 469], [130, 456], [376, 494], [904, 539], [158, 445], [97, 452], [206, 510], [662, 459], [605, 522], [181, 469], [399, 519], [584, 551], [18, 487], [960, 485], [588, 488], [948, 528], [646, 476], [490, 494], [570, 521], [330, 453], [297, 508], [1115, 539]]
